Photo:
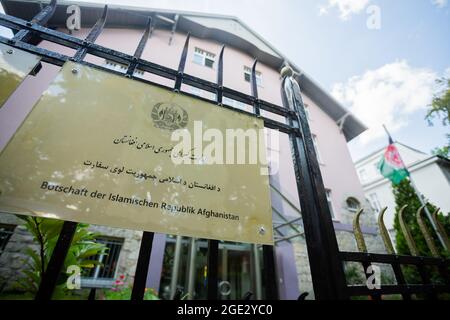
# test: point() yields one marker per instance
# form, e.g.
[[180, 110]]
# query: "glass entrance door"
[[237, 274]]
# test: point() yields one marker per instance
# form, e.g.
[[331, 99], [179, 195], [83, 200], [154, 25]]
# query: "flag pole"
[[419, 195]]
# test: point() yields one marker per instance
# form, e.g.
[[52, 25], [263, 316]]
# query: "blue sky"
[[383, 75]]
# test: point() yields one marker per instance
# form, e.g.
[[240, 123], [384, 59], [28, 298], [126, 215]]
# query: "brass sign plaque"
[[15, 65], [99, 148]]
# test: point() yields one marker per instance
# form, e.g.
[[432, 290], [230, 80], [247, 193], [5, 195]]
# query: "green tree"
[[45, 233], [440, 108], [440, 105], [443, 151], [405, 195]]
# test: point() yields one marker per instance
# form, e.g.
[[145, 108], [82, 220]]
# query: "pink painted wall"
[[338, 172]]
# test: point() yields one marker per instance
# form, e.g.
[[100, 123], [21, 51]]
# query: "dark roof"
[[135, 17]]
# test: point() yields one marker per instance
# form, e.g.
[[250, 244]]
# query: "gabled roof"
[[228, 30]]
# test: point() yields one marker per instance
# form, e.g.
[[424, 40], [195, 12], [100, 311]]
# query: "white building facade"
[[430, 173]]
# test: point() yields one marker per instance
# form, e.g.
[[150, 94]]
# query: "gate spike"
[[255, 89], [92, 36], [426, 234], [409, 239], [253, 80], [98, 26], [441, 229], [182, 64], [384, 233], [358, 233], [140, 48], [41, 18], [219, 94]]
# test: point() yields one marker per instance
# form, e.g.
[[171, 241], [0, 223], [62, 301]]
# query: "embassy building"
[[174, 258]]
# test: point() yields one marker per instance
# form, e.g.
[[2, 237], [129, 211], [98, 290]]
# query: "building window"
[[204, 58], [308, 114], [353, 204], [363, 175], [108, 267], [316, 148], [248, 76], [111, 65], [330, 204], [6, 231], [377, 169], [234, 103], [201, 93], [374, 202]]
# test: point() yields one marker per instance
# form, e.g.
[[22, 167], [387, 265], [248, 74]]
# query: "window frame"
[[248, 72], [6, 232], [92, 279], [354, 200], [375, 203], [203, 55], [120, 67], [316, 148], [328, 194]]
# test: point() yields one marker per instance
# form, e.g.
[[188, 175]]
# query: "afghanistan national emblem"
[[169, 116]]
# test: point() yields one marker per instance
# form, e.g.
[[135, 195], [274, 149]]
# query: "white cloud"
[[439, 3], [346, 7], [387, 95]]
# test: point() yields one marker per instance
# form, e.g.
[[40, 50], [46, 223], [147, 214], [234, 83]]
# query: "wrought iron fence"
[[326, 262], [426, 288]]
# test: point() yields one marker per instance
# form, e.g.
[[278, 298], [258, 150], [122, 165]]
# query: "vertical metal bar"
[[254, 86], [375, 295], [270, 273], [257, 272], [56, 262], [212, 282], [425, 279], [41, 18], [400, 278], [426, 234], [219, 93], [441, 229], [182, 64], [270, 277], [92, 36], [92, 294], [384, 233], [213, 269], [176, 267], [140, 49], [50, 276], [326, 267], [174, 28], [145, 250], [191, 270], [140, 276], [224, 275]]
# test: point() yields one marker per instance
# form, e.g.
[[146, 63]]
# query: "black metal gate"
[[326, 261]]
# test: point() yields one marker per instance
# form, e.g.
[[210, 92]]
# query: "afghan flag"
[[391, 165]]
